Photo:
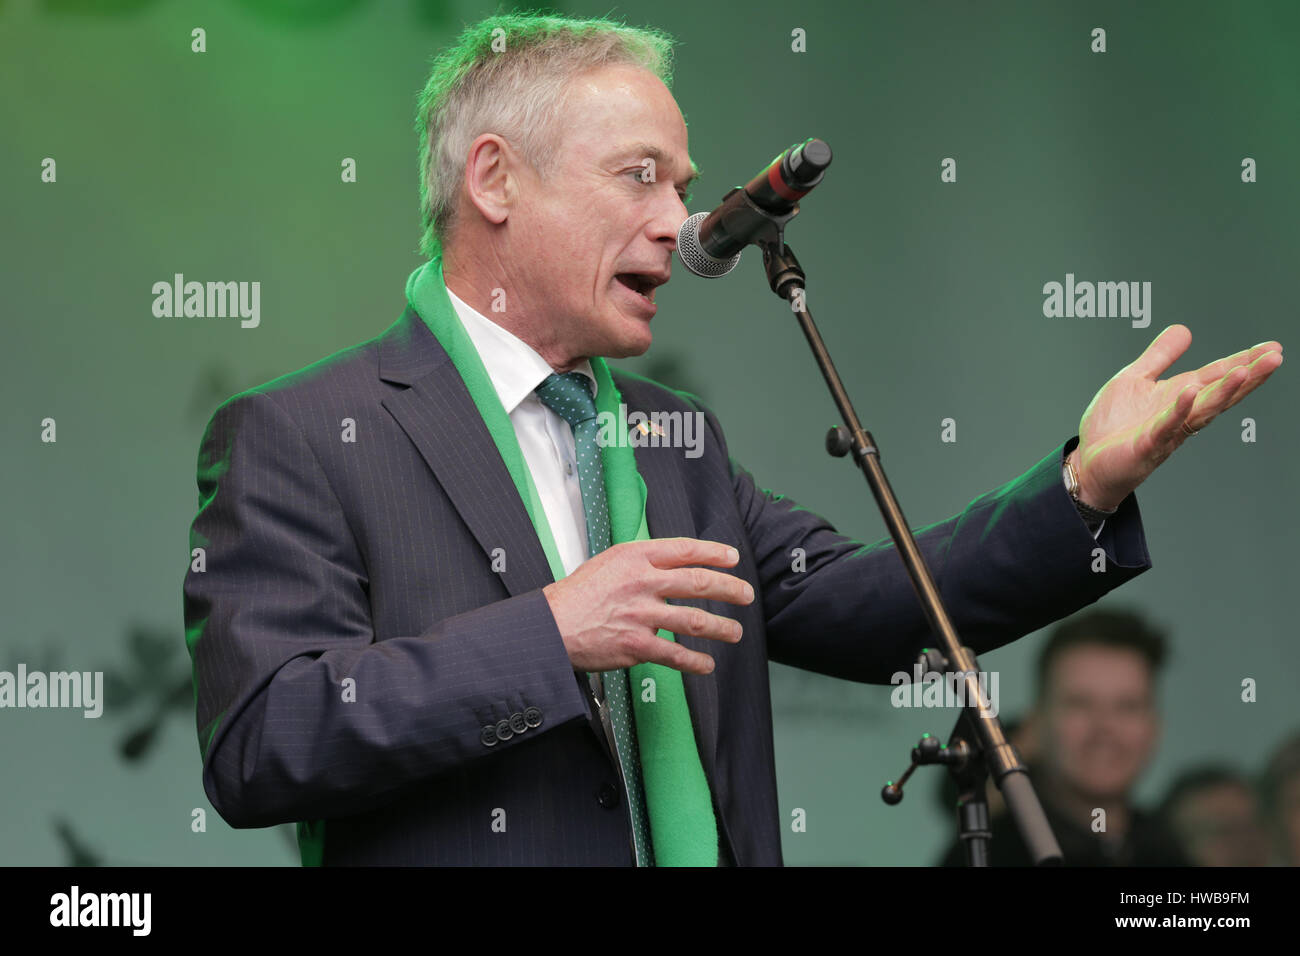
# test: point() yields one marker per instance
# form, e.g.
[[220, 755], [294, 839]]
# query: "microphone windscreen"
[[692, 254]]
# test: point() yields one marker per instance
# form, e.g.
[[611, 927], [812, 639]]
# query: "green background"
[[226, 166]]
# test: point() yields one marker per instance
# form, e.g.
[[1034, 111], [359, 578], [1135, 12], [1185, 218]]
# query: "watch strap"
[[1092, 516]]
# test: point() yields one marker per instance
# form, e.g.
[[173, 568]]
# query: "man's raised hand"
[[1137, 419]]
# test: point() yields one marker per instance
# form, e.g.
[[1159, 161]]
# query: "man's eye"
[[642, 174]]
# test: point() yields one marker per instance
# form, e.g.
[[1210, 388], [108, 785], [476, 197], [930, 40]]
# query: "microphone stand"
[[977, 745]]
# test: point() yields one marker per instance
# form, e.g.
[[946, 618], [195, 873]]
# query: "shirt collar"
[[512, 364]]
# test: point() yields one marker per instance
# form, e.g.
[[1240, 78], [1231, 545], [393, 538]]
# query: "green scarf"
[[683, 829]]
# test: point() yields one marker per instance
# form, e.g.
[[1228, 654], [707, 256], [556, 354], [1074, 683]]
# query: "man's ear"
[[491, 177]]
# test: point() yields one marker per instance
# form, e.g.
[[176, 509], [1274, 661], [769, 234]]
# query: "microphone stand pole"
[[978, 745]]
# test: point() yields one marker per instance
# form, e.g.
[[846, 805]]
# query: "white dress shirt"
[[545, 438]]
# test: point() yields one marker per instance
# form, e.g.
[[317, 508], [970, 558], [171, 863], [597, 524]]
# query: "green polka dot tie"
[[570, 396]]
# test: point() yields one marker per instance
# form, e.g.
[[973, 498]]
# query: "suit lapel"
[[439, 416], [441, 419]]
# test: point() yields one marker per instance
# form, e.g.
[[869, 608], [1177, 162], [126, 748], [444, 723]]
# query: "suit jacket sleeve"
[[1014, 560], [280, 617]]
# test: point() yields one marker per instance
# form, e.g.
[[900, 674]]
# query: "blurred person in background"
[[1214, 815], [1093, 730], [1280, 796]]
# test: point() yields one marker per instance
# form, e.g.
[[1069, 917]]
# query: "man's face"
[[1287, 820], [587, 242], [1099, 721], [1219, 826]]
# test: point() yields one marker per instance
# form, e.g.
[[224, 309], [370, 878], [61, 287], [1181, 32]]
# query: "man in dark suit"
[[416, 569]]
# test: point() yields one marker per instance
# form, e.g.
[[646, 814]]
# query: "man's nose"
[[668, 220]]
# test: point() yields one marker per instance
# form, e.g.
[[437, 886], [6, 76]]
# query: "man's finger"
[[704, 584], [1163, 352], [681, 552], [671, 654], [1216, 370], [1235, 385], [1169, 428], [696, 622], [1256, 375], [1217, 397]]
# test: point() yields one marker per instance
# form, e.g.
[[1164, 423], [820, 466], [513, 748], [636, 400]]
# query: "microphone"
[[709, 243]]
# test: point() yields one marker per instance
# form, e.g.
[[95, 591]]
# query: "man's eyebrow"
[[639, 152]]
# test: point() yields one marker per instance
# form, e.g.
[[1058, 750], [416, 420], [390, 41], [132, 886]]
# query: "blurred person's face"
[[1219, 826], [1098, 721], [1287, 821], [587, 243]]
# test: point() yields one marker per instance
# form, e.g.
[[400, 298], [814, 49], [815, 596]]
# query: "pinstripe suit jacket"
[[371, 561]]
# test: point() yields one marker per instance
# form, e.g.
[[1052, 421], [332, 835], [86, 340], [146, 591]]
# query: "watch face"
[[1067, 475]]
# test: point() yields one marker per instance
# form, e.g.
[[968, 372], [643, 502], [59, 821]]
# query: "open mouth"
[[642, 285]]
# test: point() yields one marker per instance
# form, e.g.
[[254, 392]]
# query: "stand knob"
[[838, 442]]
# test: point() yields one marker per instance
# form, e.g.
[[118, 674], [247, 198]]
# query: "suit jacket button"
[[503, 730], [607, 796], [533, 717], [488, 736], [517, 723]]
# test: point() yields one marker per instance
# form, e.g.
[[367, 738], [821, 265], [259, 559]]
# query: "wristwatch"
[[1091, 515]]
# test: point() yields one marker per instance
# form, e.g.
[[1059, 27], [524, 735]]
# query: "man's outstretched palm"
[[1137, 419]]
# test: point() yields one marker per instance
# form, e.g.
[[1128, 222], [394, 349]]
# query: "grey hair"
[[509, 75]]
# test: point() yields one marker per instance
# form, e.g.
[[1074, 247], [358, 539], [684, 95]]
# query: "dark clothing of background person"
[[1146, 842]]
